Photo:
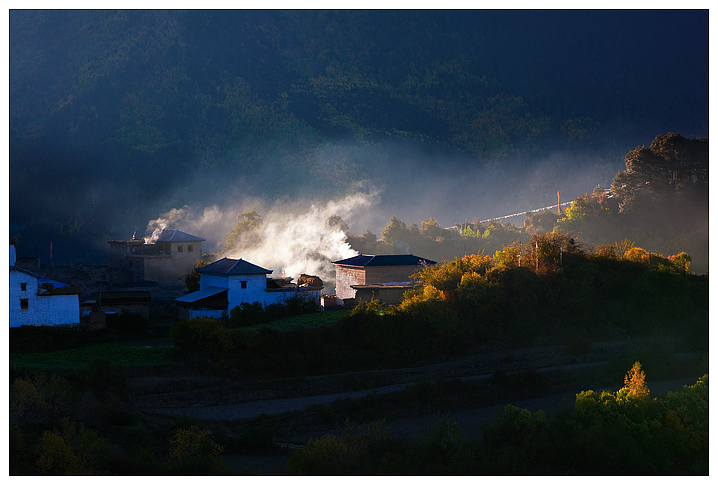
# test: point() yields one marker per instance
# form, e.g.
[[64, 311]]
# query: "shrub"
[[339, 455], [37, 397], [130, 322], [71, 451], [101, 374], [247, 314], [202, 335]]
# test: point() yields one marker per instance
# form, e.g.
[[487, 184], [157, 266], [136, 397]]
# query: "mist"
[[294, 235], [292, 238], [447, 125]]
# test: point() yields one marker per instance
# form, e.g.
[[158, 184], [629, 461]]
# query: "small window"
[[189, 248], [23, 286], [179, 248], [243, 284], [24, 304]]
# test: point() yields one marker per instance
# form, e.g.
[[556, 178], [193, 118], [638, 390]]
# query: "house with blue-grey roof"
[[166, 258], [227, 283], [383, 277]]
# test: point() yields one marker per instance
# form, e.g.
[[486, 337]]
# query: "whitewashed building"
[[35, 300], [227, 283]]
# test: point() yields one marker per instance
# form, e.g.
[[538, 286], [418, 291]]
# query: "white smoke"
[[185, 220], [296, 241], [293, 238]]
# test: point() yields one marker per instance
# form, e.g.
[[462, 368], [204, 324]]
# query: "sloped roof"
[[364, 260], [201, 294], [175, 235], [57, 288], [227, 266], [26, 271]]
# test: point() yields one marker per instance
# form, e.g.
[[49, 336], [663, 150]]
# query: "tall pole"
[[558, 194]]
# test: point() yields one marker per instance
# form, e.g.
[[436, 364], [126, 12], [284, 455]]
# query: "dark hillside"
[[158, 109]]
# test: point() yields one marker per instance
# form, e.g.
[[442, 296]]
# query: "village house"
[[35, 300], [381, 277], [227, 283], [168, 260]]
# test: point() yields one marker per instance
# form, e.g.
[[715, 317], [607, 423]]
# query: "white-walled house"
[[35, 300], [227, 283]]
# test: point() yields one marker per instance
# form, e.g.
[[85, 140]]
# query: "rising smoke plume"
[[291, 238], [184, 217]]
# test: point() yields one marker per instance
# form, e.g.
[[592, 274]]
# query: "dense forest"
[[118, 116]]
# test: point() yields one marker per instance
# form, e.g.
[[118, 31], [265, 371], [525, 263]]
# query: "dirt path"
[[254, 409], [219, 399], [185, 387], [471, 422]]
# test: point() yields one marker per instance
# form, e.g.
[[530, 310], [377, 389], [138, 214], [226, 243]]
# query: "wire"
[[529, 211]]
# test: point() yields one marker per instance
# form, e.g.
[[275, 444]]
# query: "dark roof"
[[119, 297], [175, 235], [227, 266], [201, 294], [364, 260]]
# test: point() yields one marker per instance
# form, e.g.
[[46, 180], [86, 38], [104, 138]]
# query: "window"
[[23, 286], [179, 248], [243, 285], [24, 304], [189, 248]]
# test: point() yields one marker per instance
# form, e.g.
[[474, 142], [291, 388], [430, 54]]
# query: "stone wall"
[[348, 276]]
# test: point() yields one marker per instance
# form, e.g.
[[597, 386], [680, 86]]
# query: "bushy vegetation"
[[660, 202], [248, 314], [551, 285], [127, 323], [626, 432], [83, 424], [206, 336], [69, 426]]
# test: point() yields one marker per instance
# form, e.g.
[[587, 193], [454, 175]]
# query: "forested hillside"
[[658, 204], [118, 116]]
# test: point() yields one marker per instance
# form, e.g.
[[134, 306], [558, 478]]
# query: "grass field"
[[118, 353], [136, 354]]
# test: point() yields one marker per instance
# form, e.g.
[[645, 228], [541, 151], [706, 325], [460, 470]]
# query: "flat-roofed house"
[[167, 260], [386, 276]]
